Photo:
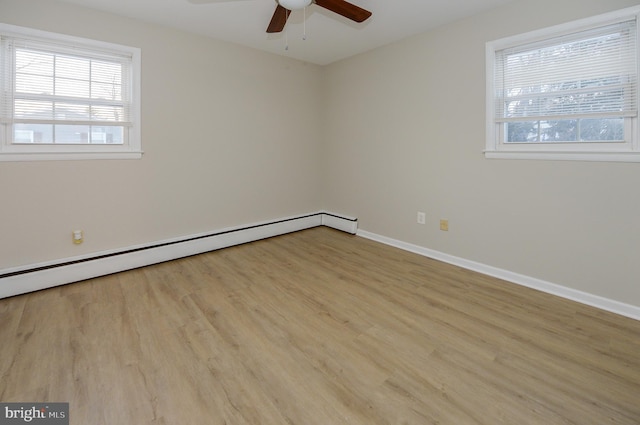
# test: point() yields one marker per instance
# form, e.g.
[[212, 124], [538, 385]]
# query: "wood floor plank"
[[317, 327]]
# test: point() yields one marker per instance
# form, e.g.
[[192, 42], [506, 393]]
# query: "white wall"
[[230, 137], [405, 130]]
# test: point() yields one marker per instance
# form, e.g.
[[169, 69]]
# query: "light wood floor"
[[317, 327]]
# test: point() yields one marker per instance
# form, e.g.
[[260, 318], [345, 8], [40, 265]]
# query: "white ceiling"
[[329, 37]]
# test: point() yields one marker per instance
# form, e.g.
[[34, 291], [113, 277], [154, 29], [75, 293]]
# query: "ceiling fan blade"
[[346, 9], [278, 20]]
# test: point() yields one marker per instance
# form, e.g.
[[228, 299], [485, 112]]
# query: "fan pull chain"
[[286, 32], [304, 23]]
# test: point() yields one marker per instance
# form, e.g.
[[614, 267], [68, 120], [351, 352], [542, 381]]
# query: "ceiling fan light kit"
[[294, 4]]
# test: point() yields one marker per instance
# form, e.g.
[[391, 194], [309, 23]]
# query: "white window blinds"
[[587, 74], [53, 88]]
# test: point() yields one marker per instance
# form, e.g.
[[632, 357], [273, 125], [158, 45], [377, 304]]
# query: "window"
[[567, 92], [64, 97]]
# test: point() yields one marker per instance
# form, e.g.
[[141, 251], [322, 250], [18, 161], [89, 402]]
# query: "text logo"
[[34, 413]]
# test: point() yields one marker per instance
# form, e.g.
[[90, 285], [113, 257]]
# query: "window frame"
[[496, 147], [131, 148]]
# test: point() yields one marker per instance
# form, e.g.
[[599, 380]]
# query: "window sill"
[[566, 156], [68, 156]]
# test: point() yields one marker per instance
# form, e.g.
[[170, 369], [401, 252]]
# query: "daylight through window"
[[572, 91], [67, 96]]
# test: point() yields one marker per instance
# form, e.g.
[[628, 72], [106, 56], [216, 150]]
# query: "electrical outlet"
[[422, 217], [78, 237], [444, 225]]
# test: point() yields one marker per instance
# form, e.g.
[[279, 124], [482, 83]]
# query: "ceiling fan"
[[341, 7]]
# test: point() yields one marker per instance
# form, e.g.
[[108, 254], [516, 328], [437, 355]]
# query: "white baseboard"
[[35, 277], [346, 224], [602, 303]]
